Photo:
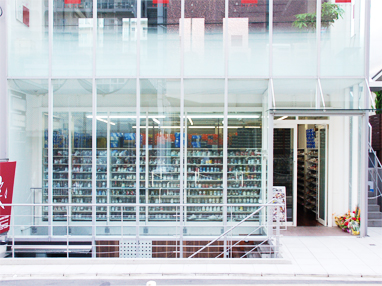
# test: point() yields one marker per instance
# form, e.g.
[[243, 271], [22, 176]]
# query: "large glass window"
[[116, 37], [248, 36], [160, 150], [295, 93], [204, 110], [294, 40], [72, 150], [116, 170], [342, 39], [28, 146], [203, 38], [72, 38], [343, 93], [160, 38], [28, 38], [245, 161]]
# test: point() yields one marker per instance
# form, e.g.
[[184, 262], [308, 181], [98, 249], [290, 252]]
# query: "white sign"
[[279, 194]]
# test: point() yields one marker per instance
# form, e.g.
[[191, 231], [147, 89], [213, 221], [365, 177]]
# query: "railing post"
[[13, 236], [67, 232], [277, 249]]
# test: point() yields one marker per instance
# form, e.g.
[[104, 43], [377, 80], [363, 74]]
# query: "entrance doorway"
[[300, 164]]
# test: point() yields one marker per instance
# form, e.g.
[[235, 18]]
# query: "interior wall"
[[338, 167]]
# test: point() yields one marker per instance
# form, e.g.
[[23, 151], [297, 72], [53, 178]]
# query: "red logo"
[[163, 2], [7, 178], [250, 3], [72, 1]]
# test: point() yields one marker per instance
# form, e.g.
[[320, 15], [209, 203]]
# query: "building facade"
[[138, 122]]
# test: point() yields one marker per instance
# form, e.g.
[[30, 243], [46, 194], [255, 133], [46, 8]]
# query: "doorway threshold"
[[313, 231]]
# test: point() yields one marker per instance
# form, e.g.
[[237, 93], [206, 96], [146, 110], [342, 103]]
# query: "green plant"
[[329, 14], [378, 102]]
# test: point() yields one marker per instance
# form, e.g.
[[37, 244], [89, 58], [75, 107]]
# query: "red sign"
[[343, 1], [7, 178], [72, 1], [26, 16], [161, 2], [249, 2]]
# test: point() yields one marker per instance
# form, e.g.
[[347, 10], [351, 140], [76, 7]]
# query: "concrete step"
[[374, 223], [373, 201], [371, 194], [373, 208], [375, 215]]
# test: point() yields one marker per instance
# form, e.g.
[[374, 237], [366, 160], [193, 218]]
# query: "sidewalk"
[[317, 256]]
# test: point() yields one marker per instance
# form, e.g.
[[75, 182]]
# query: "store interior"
[[156, 167]]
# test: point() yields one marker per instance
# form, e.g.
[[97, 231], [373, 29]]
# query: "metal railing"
[[375, 168], [34, 229], [271, 203]]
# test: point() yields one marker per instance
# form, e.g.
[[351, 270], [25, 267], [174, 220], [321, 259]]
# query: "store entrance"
[[300, 164]]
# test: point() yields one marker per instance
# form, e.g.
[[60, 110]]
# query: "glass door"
[[322, 178], [284, 164]]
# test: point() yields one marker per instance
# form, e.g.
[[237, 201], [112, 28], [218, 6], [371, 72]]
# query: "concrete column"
[[3, 82]]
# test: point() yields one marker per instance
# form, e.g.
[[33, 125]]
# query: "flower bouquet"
[[349, 222]]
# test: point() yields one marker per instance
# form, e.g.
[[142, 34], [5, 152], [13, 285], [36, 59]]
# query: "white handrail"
[[235, 226]]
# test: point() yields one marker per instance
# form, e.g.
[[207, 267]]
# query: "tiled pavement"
[[303, 255]]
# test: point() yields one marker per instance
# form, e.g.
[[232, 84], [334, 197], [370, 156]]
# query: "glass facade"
[[153, 117]]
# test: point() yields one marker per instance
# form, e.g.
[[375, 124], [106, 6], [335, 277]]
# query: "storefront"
[[138, 122]]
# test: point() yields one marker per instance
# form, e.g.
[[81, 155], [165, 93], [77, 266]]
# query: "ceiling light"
[[103, 120], [282, 118], [156, 121], [191, 122]]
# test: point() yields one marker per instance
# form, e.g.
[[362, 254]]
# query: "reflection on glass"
[[342, 42], [160, 38], [203, 38], [343, 93], [294, 48], [204, 166], [116, 37], [248, 38], [28, 38], [72, 140], [72, 38], [247, 100], [203, 150], [160, 135], [295, 93], [28, 146], [244, 164], [116, 156]]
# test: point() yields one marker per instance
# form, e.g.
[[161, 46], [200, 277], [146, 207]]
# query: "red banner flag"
[[7, 178], [343, 1]]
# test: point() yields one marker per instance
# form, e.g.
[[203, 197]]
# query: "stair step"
[[373, 208], [374, 223], [375, 215], [371, 194], [373, 201]]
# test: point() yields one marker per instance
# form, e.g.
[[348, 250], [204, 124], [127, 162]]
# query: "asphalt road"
[[179, 282]]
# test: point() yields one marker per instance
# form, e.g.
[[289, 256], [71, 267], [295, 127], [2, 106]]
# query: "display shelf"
[[60, 180], [308, 179], [159, 179]]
